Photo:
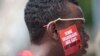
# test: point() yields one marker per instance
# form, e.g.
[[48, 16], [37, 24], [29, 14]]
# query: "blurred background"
[[91, 9]]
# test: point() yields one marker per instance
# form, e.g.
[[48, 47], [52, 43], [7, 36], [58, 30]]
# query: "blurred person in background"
[[96, 21], [13, 31]]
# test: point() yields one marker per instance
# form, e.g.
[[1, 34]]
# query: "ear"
[[51, 30]]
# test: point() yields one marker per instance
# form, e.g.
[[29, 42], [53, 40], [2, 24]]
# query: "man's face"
[[75, 12], [68, 29], [51, 47]]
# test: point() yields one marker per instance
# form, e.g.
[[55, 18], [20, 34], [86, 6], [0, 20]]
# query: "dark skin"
[[50, 44]]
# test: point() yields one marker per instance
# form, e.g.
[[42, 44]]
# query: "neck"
[[48, 47]]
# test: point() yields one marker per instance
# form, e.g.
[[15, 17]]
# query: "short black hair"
[[74, 1], [39, 12]]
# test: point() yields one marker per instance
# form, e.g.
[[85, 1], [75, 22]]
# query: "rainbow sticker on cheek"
[[70, 39]]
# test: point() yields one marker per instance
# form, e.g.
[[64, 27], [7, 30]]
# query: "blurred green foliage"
[[86, 7]]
